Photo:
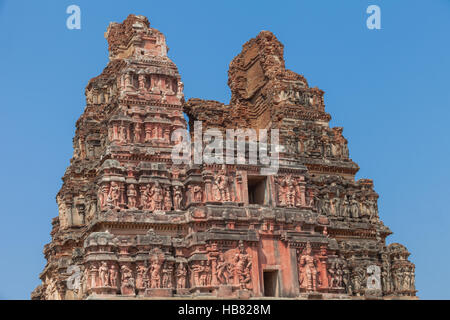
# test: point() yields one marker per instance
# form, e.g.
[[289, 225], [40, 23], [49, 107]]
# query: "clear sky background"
[[388, 88]]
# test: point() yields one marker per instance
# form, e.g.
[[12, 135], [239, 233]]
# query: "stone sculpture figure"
[[336, 206], [156, 197], [223, 185], [132, 195], [93, 271], [386, 280], [300, 192], [177, 198], [326, 205], [140, 279], [290, 191], [167, 272], [373, 281], [137, 133], [112, 274], [354, 207], [114, 195], [196, 270], [358, 277], [167, 199], [224, 270], [345, 207], [373, 210], [242, 267], [128, 283], [103, 196], [203, 274], [103, 273], [155, 274], [335, 275], [308, 270], [181, 274], [198, 193]]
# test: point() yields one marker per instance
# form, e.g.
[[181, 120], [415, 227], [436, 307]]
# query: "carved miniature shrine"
[[134, 224]]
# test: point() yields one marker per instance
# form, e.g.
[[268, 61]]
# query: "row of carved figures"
[[291, 191], [348, 206], [305, 98], [400, 280], [151, 197], [323, 148], [152, 83], [353, 280], [155, 196], [318, 141], [138, 132], [160, 273]]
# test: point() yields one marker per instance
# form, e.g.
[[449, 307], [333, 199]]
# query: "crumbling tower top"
[[134, 37]]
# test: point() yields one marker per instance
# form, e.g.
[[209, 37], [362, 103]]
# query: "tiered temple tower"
[[134, 224]]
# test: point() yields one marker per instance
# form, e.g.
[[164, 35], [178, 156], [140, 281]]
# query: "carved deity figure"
[[112, 274], [145, 198], [335, 274], [326, 205], [224, 270], [354, 207], [132, 195], [386, 282], [140, 279], [93, 271], [103, 273], [197, 270], [167, 199], [198, 193], [181, 274], [335, 209], [222, 181], [300, 198], [167, 272], [311, 198], [373, 209], [122, 134], [128, 283], [103, 196], [345, 207], [114, 195], [242, 267], [177, 198], [358, 276], [286, 191], [156, 195], [155, 274], [137, 133], [203, 275], [308, 270]]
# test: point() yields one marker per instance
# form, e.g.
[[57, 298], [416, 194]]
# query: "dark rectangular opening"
[[271, 283], [256, 189]]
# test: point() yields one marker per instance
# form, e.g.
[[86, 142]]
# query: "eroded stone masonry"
[[133, 224]]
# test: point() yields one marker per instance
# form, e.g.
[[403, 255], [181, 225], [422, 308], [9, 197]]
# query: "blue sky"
[[388, 88]]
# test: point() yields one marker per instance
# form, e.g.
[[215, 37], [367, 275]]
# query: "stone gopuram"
[[134, 224]]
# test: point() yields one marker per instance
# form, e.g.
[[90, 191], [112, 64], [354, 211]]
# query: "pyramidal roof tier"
[[133, 223]]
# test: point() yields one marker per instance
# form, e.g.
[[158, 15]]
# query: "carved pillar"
[[148, 132], [208, 179]]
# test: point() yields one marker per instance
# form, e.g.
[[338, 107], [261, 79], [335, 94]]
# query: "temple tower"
[[133, 223]]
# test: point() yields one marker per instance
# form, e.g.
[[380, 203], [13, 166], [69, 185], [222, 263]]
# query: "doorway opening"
[[271, 283], [256, 190]]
